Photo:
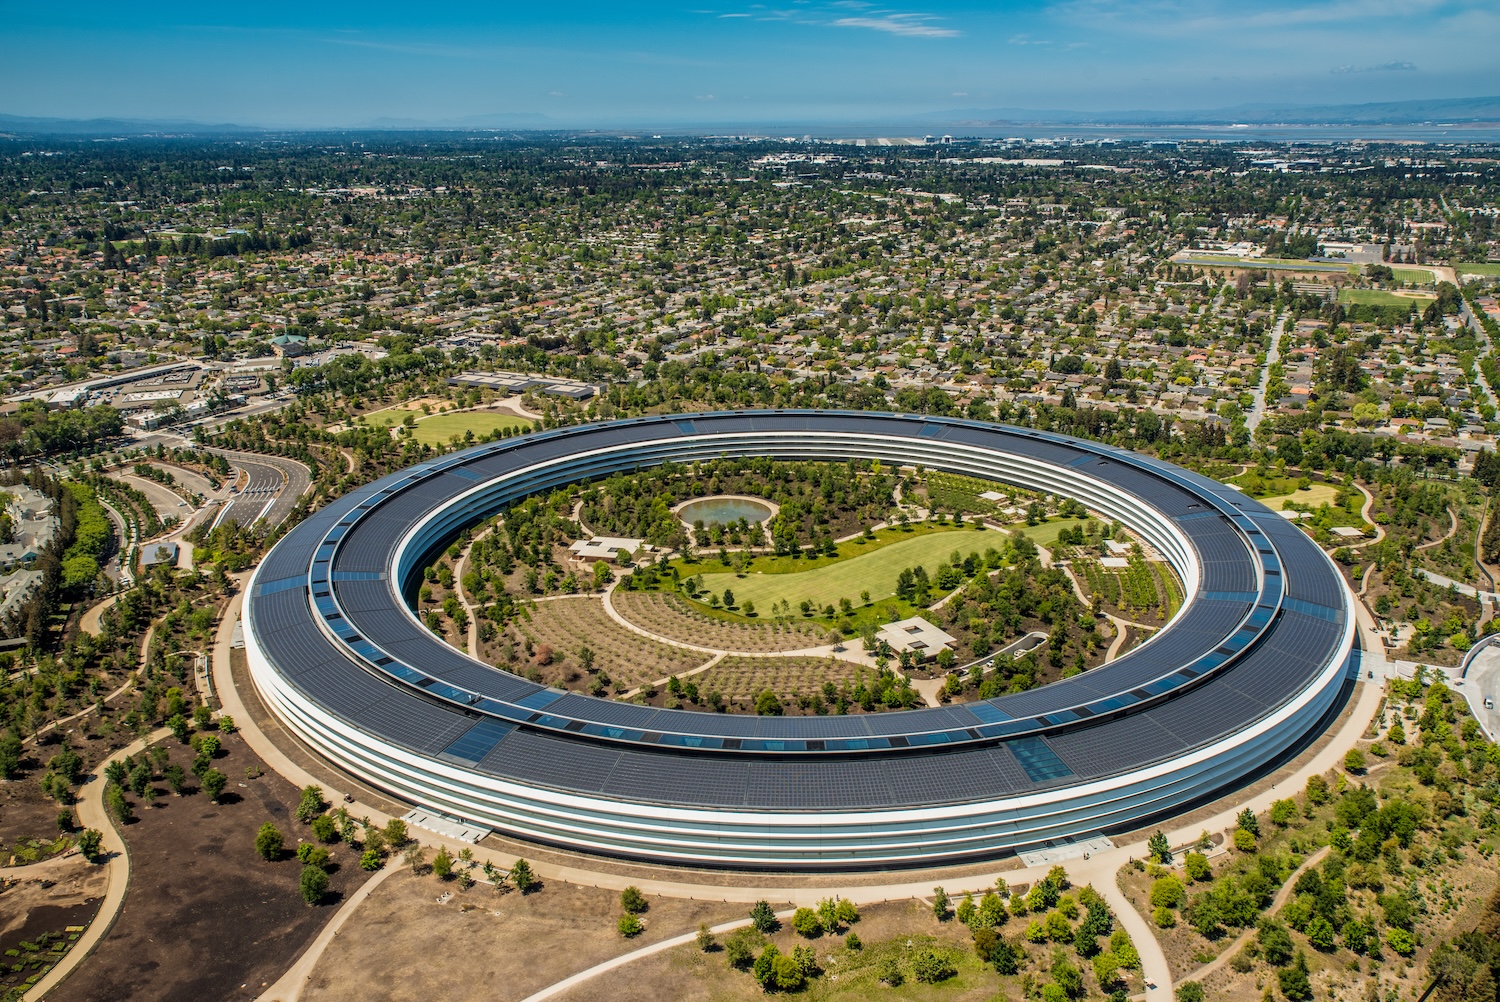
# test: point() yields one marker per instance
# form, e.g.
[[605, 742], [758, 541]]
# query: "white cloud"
[[907, 25]]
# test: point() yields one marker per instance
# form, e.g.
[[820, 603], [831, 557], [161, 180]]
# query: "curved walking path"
[[1282, 896], [92, 814], [627, 958], [1452, 531], [130, 680], [288, 987], [842, 651], [682, 674], [1366, 512]]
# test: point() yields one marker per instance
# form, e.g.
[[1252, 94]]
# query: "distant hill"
[[503, 120], [1457, 111], [1454, 110], [29, 126]]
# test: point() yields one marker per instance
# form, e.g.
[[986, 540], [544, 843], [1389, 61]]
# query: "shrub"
[[311, 854], [269, 842], [1401, 941], [889, 971], [1354, 761], [313, 884], [763, 918], [852, 941], [1190, 991], [1244, 841], [371, 860], [740, 946], [705, 938], [213, 782], [442, 863], [932, 966], [630, 925], [1165, 918], [325, 828], [1166, 892], [632, 900], [1198, 867], [807, 923]]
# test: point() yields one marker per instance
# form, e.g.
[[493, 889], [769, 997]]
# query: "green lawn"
[[389, 416], [1491, 268], [1045, 534], [1378, 297], [1412, 276], [1314, 496], [437, 429], [874, 571]]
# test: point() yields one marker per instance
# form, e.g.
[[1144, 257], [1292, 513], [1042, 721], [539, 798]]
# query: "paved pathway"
[[1452, 529], [626, 958], [852, 651], [1227, 953], [91, 814], [288, 987]]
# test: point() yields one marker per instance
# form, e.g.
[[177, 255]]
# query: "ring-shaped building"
[[1257, 656]]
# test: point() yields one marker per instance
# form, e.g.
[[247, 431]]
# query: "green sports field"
[[1413, 276], [1377, 297], [1491, 268]]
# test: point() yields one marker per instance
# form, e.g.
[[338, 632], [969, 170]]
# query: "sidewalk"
[[92, 814]]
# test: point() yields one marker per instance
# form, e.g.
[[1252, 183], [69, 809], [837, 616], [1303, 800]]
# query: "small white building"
[[916, 635], [610, 548]]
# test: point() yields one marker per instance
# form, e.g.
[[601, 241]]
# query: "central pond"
[[723, 511]]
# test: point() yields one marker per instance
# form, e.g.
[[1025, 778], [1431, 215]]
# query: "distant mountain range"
[[1449, 110], [1452, 111]]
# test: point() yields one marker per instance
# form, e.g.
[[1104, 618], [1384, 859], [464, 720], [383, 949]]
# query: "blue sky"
[[588, 63]]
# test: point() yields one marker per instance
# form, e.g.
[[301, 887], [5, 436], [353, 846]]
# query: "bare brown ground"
[[205, 917], [407, 943]]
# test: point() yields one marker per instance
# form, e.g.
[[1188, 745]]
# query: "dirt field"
[[670, 616], [406, 944], [205, 918], [42, 909], [567, 625], [26, 812]]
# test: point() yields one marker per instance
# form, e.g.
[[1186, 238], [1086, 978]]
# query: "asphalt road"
[[1484, 680], [272, 490]]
